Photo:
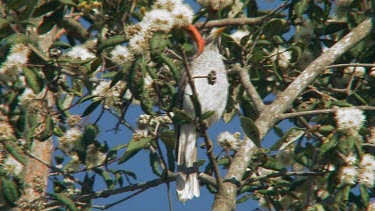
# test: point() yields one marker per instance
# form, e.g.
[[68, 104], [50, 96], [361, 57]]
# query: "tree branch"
[[250, 89], [268, 117]]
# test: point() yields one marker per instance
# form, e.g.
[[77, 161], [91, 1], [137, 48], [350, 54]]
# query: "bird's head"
[[213, 37]]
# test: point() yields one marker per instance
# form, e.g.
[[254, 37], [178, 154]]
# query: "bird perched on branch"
[[211, 85]]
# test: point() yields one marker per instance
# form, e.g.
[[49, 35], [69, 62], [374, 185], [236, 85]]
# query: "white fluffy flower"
[[366, 178], [26, 97], [228, 140], [16, 59], [215, 4], [79, 52], [69, 140], [6, 130], [182, 15], [348, 175], [367, 163], [349, 118], [160, 19], [138, 44], [93, 156], [13, 166], [102, 89], [18, 55], [282, 56], [111, 95], [351, 159], [238, 35], [121, 55], [169, 5]]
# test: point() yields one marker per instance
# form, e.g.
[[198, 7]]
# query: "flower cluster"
[[366, 174], [229, 141], [165, 15], [363, 172], [69, 140], [146, 120], [6, 130], [16, 59], [238, 35], [111, 95], [349, 119], [81, 53], [93, 156], [215, 4], [12, 166], [282, 56]]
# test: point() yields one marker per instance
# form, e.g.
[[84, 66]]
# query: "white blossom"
[[349, 118], [348, 175], [160, 19], [169, 5], [121, 55], [183, 15], [13, 166], [138, 44], [228, 140], [26, 97], [282, 56], [79, 52], [215, 4], [351, 159], [6, 130], [367, 163], [69, 140], [366, 178], [238, 35], [93, 156]]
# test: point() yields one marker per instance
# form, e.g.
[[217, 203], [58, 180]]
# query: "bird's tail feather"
[[187, 178]]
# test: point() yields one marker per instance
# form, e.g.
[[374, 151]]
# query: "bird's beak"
[[197, 37], [218, 32]]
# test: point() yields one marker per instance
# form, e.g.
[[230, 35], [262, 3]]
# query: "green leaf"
[[154, 162], [65, 200], [9, 191], [328, 145], [134, 146], [243, 198], [49, 21], [91, 108], [46, 8], [207, 114], [365, 196], [33, 79], [129, 173], [15, 150], [181, 117], [299, 8], [106, 177], [48, 129], [169, 139], [112, 41], [250, 129], [273, 164], [288, 138], [68, 2], [17, 39]]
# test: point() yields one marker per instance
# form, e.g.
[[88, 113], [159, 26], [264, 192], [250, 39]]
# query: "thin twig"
[[323, 111]]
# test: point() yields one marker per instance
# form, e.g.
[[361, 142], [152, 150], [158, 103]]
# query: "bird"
[[211, 84]]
